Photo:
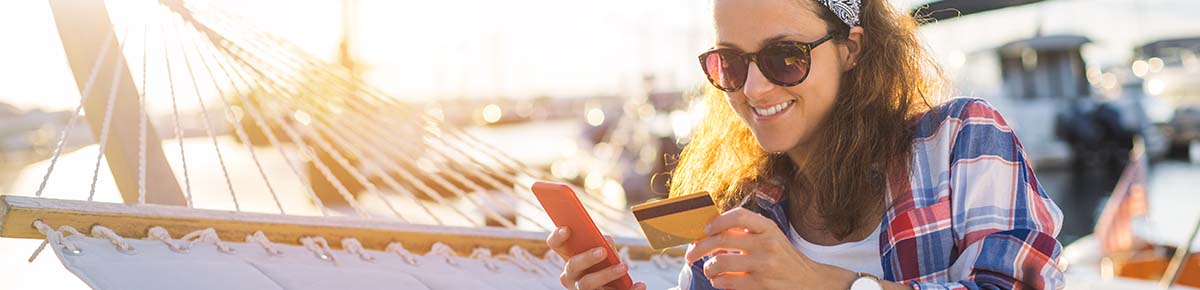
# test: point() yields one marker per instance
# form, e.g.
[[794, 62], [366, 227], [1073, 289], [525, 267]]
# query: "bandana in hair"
[[847, 10]]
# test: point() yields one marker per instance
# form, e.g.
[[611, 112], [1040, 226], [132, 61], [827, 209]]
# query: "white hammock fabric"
[[105, 261]]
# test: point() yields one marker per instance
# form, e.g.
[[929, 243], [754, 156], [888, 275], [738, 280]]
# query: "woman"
[[838, 172]]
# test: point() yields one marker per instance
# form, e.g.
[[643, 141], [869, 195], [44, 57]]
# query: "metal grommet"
[[72, 252]]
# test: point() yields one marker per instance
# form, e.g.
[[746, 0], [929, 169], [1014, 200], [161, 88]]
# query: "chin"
[[775, 136], [775, 145]]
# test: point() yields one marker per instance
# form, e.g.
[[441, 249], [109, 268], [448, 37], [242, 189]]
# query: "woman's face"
[[747, 25]]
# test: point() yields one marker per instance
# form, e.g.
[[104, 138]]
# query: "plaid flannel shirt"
[[967, 213]]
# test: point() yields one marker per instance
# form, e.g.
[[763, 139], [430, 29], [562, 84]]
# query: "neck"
[[797, 155], [809, 224]]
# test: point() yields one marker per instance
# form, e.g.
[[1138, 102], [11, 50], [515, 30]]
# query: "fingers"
[[728, 263], [597, 279], [638, 286], [740, 218], [728, 241], [576, 265], [610, 241], [731, 281], [558, 241]]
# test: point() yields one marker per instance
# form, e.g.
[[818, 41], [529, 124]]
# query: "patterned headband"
[[847, 10]]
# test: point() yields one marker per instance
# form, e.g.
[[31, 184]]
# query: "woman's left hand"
[[767, 259]]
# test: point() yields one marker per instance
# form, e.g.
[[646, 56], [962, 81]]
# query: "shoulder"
[[958, 138], [955, 113], [966, 128]]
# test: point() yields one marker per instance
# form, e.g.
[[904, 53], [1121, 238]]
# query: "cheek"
[[819, 92], [737, 103], [826, 73]]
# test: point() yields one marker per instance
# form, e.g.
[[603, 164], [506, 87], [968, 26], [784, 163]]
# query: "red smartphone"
[[565, 209]]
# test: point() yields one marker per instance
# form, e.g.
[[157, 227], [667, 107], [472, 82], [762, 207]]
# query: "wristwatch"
[[866, 282]]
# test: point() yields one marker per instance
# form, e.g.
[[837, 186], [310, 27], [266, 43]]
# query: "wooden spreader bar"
[[17, 214]]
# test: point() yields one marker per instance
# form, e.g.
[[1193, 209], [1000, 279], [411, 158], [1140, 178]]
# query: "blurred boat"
[[627, 149], [1041, 85], [25, 136], [1169, 75], [1126, 252]]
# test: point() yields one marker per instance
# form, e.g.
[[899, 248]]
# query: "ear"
[[854, 46]]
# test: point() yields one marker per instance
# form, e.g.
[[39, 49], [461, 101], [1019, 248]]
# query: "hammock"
[[337, 184]]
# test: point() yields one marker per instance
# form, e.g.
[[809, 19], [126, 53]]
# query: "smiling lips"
[[772, 110]]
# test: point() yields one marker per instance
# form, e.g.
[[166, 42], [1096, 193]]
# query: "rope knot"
[[261, 239], [102, 232], [355, 247], [397, 248]]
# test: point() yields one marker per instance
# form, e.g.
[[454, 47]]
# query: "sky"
[[422, 50]]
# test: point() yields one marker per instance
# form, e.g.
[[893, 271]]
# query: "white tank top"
[[861, 256]]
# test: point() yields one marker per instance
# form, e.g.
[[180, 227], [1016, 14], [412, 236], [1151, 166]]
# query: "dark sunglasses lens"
[[725, 69], [786, 64]]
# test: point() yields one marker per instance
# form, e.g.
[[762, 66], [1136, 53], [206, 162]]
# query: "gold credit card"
[[675, 221]]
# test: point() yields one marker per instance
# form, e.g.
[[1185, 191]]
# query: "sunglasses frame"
[[750, 57]]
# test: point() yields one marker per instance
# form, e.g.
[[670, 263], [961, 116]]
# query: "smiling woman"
[[840, 118], [838, 167]]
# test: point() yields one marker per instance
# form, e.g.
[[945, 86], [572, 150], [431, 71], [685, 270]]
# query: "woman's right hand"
[[574, 277]]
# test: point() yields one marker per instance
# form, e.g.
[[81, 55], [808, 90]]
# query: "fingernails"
[[598, 252], [562, 231], [622, 268]]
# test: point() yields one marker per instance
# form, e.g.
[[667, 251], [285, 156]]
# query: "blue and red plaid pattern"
[[967, 213]]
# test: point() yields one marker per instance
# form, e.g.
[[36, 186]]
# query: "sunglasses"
[[784, 63]]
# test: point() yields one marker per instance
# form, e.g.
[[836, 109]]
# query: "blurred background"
[[600, 92]]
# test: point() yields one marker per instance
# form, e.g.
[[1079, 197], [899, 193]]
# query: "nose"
[[757, 84]]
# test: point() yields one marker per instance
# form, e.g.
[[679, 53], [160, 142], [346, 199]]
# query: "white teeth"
[[773, 109]]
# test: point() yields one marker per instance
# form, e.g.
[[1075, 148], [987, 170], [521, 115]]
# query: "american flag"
[[1114, 229]]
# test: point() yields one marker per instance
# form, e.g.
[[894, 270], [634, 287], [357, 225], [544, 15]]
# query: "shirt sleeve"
[[691, 276], [1003, 221]]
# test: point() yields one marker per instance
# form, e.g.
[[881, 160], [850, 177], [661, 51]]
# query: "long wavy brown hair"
[[868, 129]]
